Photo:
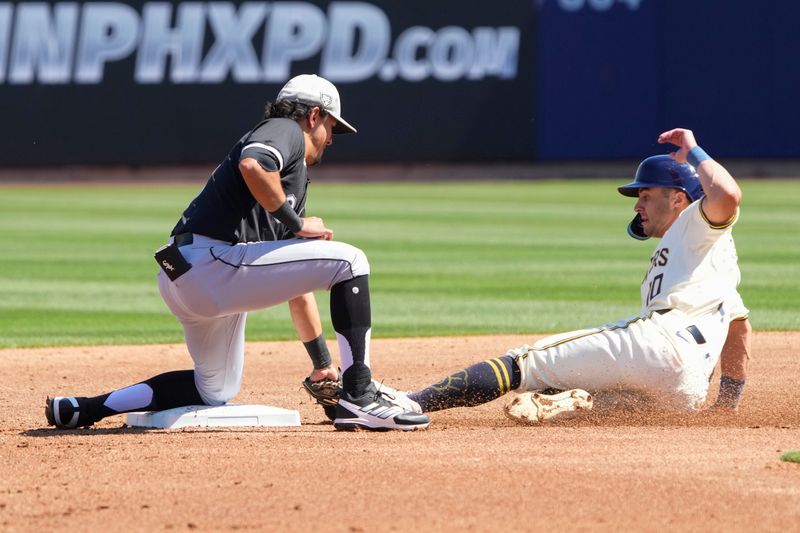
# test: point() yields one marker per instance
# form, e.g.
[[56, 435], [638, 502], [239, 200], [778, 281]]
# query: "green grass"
[[76, 262], [791, 457]]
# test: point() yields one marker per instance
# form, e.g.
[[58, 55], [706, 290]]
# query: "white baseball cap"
[[313, 90]]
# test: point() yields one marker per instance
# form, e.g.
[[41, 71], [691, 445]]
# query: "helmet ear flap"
[[636, 230]]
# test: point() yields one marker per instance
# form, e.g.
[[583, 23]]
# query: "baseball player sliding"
[[691, 311], [244, 243]]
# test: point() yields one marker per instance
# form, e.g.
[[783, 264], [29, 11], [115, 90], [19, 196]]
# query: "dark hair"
[[290, 109]]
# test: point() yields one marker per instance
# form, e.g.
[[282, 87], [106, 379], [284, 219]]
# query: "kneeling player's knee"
[[351, 261], [218, 396], [359, 265], [214, 399]]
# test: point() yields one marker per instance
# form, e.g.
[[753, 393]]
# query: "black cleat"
[[64, 413]]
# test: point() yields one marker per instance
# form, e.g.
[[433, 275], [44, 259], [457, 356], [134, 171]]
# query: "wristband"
[[696, 156], [288, 217], [318, 352], [730, 391]]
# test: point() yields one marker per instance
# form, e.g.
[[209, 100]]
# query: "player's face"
[[659, 207], [320, 136]]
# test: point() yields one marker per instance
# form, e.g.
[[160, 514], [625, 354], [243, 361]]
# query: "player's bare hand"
[[320, 374], [314, 228], [682, 138]]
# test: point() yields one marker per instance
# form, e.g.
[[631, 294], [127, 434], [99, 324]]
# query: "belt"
[[182, 239], [693, 330]]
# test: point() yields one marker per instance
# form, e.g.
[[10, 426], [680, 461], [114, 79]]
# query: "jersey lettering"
[[659, 259]]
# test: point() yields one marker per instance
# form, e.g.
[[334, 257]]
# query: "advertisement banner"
[[163, 83]]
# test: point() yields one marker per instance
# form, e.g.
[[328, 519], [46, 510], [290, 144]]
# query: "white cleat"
[[377, 410], [535, 407], [398, 397]]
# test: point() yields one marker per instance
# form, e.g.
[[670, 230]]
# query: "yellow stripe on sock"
[[496, 373], [505, 373]]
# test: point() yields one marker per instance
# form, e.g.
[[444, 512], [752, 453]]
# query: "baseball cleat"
[[378, 410], [398, 397], [330, 411], [63, 413], [535, 407]]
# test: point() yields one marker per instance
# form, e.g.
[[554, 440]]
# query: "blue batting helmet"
[[663, 171]]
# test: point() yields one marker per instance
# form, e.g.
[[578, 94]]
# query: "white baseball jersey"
[[694, 268], [671, 348]]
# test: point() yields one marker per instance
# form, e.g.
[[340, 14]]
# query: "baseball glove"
[[326, 393]]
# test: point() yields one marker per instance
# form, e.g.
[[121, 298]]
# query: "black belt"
[[182, 239], [693, 330]]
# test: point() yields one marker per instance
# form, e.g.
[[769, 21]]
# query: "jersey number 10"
[[655, 288]]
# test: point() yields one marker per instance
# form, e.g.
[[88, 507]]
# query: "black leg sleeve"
[[165, 391], [351, 316], [173, 389]]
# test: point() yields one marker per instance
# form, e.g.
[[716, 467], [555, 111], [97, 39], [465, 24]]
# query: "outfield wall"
[[176, 83], [612, 73]]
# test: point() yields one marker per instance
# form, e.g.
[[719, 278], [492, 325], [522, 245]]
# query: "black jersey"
[[226, 210]]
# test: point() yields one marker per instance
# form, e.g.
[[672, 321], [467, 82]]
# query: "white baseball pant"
[[660, 354], [226, 281]]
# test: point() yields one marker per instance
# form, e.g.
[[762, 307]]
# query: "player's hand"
[[314, 228], [682, 138], [319, 374]]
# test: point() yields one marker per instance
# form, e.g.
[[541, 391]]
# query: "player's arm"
[[733, 364], [722, 194], [265, 186], [305, 315]]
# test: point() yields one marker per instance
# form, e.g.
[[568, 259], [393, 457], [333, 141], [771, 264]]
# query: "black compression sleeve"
[[318, 352], [290, 219]]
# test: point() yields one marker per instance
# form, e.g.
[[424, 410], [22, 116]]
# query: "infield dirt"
[[626, 468]]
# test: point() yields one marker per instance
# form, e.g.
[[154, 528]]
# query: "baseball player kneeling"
[[691, 312], [245, 243]]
